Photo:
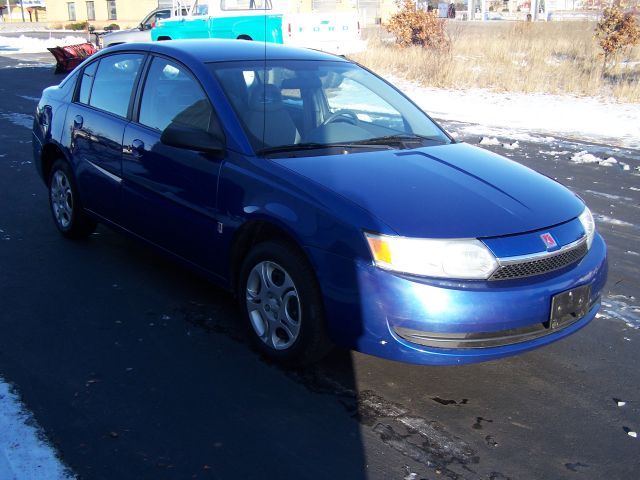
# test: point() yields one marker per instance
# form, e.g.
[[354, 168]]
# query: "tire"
[[282, 305], [64, 201]]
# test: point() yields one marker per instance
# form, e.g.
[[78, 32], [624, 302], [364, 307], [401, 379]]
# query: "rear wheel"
[[282, 305], [65, 205]]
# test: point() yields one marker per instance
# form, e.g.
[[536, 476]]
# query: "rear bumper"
[[423, 321]]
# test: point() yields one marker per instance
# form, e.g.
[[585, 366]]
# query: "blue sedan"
[[334, 208]]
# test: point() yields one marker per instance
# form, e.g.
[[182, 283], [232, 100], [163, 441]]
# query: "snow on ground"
[[24, 455], [25, 44], [518, 115]]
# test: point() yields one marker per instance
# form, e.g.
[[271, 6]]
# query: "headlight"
[[443, 258], [586, 219]]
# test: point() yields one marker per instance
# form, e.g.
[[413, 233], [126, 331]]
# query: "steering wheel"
[[343, 115]]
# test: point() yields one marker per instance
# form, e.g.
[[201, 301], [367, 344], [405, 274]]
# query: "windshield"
[[300, 106]]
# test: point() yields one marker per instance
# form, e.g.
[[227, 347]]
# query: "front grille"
[[528, 268]]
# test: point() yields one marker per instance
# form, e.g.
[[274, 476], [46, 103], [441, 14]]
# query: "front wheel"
[[282, 305], [65, 205]]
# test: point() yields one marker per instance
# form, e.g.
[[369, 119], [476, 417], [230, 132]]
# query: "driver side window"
[[171, 94]]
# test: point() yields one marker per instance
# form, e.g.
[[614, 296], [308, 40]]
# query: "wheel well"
[[244, 37], [50, 153], [163, 38], [251, 234]]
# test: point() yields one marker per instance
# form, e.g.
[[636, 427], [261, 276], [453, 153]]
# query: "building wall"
[[129, 13]]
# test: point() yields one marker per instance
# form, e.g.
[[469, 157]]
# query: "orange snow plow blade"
[[70, 56]]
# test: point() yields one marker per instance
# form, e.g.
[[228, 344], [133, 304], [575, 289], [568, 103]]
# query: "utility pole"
[[470, 11], [22, 11], [534, 10]]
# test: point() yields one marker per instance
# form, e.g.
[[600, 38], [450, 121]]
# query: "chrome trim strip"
[[106, 173], [484, 339], [504, 261]]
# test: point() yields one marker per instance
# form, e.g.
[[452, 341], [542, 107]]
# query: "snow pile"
[[511, 146], [489, 141], [24, 44], [589, 118], [585, 157]]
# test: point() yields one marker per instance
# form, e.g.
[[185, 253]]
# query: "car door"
[[169, 193], [96, 121]]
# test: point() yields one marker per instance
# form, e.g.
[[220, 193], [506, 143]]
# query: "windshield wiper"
[[397, 139], [298, 147]]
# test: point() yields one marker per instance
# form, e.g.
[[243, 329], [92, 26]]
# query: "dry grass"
[[554, 57]]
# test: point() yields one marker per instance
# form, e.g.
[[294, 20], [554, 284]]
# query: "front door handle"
[[137, 148]]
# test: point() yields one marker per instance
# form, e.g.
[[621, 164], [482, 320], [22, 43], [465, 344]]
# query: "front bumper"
[[413, 320]]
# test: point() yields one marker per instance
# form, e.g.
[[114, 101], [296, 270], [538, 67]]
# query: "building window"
[[91, 11], [111, 9], [71, 10]]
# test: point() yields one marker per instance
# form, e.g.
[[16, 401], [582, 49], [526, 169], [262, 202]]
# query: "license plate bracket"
[[569, 306]]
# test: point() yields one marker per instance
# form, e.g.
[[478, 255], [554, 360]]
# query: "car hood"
[[448, 191]]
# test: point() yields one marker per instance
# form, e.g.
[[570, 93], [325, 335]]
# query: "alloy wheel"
[[273, 305]]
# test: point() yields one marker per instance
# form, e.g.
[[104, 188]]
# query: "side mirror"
[[182, 136], [145, 26]]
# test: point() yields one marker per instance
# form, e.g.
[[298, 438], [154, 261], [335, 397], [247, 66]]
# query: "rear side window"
[[87, 82], [109, 86], [171, 94]]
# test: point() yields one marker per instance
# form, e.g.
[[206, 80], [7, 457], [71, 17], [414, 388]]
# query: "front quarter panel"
[[254, 189]]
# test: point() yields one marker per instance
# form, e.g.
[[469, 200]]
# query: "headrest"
[[265, 97]]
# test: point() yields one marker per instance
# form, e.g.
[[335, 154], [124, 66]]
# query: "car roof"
[[220, 50]]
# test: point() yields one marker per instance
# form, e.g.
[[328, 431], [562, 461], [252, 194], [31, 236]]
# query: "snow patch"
[[554, 152], [616, 307], [612, 221], [609, 196], [19, 119], [23, 452], [31, 99]]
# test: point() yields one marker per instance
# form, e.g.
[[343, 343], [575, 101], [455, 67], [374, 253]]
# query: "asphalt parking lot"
[[137, 368]]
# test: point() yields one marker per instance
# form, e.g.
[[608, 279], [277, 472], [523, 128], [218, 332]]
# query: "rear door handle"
[[77, 122]]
